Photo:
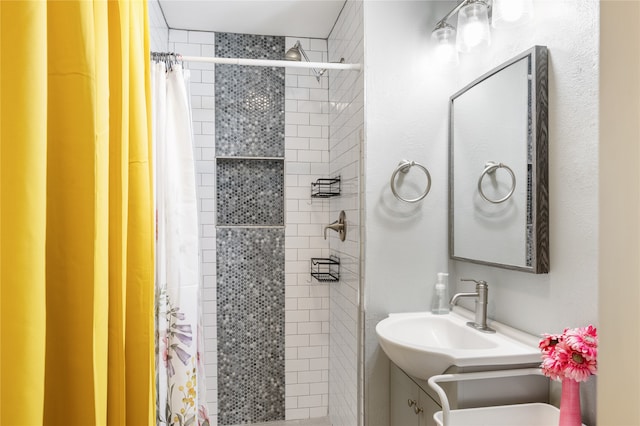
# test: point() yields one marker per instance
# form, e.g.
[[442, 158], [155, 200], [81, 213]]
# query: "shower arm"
[[317, 72]]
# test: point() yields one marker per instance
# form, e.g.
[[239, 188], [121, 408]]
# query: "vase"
[[570, 403]]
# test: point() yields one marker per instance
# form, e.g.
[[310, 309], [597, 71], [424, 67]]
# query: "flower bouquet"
[[570, 357]]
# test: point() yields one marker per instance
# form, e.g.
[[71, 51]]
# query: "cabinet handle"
[[417, 410], [411, 402]]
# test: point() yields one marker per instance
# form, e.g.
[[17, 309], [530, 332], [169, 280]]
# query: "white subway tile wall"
[[306, 300], [346, 122], [159, 32], [306, 159]]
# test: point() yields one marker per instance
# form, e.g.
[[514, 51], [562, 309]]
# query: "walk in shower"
[[279, 345]]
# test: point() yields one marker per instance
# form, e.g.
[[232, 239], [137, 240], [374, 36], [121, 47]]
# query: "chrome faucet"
[[482, 296]]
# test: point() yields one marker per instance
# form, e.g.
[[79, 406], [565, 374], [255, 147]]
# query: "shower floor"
[[322, 421]]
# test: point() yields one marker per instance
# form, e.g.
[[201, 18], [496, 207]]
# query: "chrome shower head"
[[297, 53], [294, 53]]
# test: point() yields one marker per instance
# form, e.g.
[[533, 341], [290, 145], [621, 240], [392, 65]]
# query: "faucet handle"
[[479, 283], [340, 226]]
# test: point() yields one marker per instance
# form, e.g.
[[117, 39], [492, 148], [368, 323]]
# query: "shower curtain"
[[77, 214], [179, 364]]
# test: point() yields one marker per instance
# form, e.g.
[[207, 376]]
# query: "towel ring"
[[404, 167], [489, 168]]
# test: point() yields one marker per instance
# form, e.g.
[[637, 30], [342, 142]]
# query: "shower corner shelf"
[[325, 269], [325, 188]]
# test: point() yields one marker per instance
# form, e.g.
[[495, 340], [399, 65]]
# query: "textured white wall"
[[568, 295], [406, 117]]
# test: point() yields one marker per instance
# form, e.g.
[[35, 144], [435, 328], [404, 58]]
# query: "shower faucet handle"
[[340, 226]]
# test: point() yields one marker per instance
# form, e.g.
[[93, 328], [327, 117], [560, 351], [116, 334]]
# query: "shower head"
[[294, 53]]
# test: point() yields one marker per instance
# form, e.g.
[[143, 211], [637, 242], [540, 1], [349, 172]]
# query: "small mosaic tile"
[[250, 325], [250, 192], [234, 45], [249, 119]]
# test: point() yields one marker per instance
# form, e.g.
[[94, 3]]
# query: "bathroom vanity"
[[422, 345], [413, 402]]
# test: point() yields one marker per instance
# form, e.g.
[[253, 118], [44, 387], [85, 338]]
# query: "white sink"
[[423, 344]]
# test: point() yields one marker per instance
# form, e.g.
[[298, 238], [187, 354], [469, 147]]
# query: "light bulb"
[[473, 32], [444, 37], [473, 26], [511, 13]]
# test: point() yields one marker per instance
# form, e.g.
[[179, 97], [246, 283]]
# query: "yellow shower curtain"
[[76, 214]]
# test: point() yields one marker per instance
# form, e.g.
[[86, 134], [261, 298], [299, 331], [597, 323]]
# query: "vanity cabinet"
[[409, 404], [413, 403]]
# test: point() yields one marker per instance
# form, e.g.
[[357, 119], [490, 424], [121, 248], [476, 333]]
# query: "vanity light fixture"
[[473, 30]]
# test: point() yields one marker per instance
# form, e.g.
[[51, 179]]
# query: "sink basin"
[[423, 344]]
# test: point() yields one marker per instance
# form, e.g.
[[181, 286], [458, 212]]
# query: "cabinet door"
[[429, 408], [404, 399]]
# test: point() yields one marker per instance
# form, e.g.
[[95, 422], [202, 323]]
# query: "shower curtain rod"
[[270, 63]]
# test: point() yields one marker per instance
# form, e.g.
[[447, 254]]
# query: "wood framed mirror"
[[498, 173]]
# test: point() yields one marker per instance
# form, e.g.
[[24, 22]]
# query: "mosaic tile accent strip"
[[250, 192], [249, 100], [250, 310]]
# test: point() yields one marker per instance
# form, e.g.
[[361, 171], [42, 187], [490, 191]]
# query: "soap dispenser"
[[440, 302]]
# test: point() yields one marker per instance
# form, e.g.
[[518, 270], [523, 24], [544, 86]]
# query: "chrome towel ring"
[[404, 167], [490, 168]]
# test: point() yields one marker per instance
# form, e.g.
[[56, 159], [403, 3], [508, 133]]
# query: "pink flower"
[[580, 368], [553, 368], [549, 341], [583, 340], [570, 355]]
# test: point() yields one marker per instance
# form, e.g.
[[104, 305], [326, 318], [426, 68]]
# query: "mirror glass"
[[498, 199]]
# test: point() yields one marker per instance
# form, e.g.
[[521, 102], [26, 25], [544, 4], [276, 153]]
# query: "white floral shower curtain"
[[180, 370]]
